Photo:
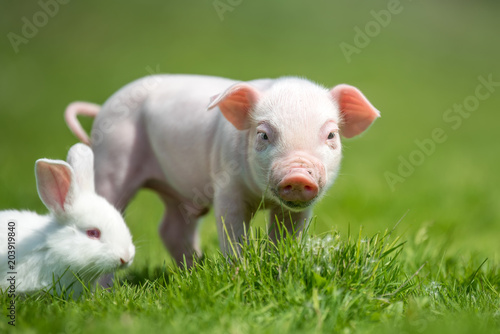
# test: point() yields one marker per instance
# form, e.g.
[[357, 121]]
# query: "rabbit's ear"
[[55, 183], [81, 158]]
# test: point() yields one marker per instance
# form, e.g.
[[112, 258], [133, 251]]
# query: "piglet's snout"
[[298, 186], [297, 179]]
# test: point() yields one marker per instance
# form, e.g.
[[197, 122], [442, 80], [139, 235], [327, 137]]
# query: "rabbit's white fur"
[[56, 246]]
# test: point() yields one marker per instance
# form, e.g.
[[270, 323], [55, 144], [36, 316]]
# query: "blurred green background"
[[413, 65]]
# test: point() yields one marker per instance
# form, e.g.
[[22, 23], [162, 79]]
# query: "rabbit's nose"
[[127, 258], [125, 261]]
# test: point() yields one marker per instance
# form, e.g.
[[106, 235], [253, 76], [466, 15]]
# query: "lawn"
[[430, 162]]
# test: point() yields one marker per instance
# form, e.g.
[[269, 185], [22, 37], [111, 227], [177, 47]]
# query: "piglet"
[[199, 141]]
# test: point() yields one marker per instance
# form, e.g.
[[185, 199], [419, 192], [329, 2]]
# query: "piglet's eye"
[[94, 233], [331, 135], [263, 136]]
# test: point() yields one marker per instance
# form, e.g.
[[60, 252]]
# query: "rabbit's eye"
[[94, 233]]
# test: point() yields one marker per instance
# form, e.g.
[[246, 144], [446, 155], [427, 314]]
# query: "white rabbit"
[[83, 234]]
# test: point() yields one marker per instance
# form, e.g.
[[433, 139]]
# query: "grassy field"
[[431, 161]]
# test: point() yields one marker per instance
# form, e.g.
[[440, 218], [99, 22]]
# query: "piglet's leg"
[[106, 280], [178, 230], [233, 220], [290, 223]]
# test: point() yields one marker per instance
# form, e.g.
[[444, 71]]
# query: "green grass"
[[326, 283], [427, 59]]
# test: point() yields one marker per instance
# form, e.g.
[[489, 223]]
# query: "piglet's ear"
[[235, 104], [81, 158], [357, 112], [55, 184]]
